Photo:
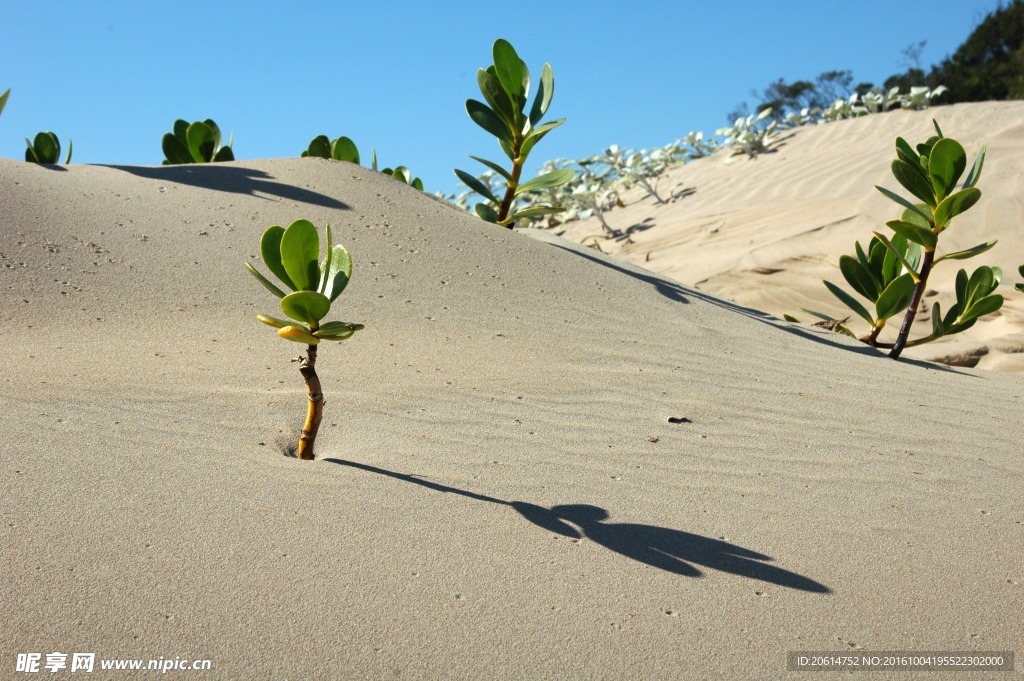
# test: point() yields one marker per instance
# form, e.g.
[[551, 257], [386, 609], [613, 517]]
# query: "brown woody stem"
[[510, 192], [915, 302], [315, 407]]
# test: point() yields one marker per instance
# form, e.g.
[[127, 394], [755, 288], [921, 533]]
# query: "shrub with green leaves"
[[339, 149], [197, 142], [45, 148], [506, 88], [293, 256], [893, 273]]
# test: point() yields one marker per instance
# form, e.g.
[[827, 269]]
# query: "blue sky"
[[113, 76]]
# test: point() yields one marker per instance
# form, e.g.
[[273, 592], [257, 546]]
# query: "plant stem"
[[315, 407], [915, 302], [510, 193]]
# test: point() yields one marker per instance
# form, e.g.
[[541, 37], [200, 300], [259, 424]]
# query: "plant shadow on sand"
[[232, 178], [671, 550]]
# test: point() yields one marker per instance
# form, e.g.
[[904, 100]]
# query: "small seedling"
[[339, 149], [893, 273], [45, 149], [506, 87], [197, 142], [293, 256]]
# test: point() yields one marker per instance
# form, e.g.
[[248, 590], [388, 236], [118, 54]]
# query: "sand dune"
[[765, 231], [536, 461]]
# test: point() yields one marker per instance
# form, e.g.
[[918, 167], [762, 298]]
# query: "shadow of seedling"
[[233, 179], [671, 550]]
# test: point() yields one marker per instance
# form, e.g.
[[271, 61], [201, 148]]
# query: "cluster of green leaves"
[[45, 148], [344, 149], [506, 88], [893, 273], [293, 256], [339, 149], [197, 142]]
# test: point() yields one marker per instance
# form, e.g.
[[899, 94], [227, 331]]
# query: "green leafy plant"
[[339, 149], [45, 148], [197, 142], [3, 99], [293, 256], [506, 87], [893, 273]]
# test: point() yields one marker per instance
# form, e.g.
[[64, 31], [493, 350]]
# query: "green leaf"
[[306, 306], [483, 116], [507, 148], [858, 277], [344, 149], [46, 148], [536, 136], [224, 154], [200, 142], [946, 164], [511, 71], [534, 211], [266, 282], [340, 273], [325, 264], [790, 318], [896, 297], [954, 205], [983, 306], [914, 232], [968, 253], [937, 128], [913, 180], [3, 99], [493, 166], [270, 250], [898, 250], [70, 147], [336, 328], [486, 213], [905, 152], [553, 179], [938, 329], [274, 321], [180, 130], [975, 174], [903, 202], [300, 255], [477, 186], [320, 147], [544, 94], [849, 301], [497, 98], [175, 151], [984, 280]]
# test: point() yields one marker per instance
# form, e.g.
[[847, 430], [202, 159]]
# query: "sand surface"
[[536, 462], [765, 232]]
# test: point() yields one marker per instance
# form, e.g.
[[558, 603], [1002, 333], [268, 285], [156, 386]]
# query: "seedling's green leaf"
[[961, 288], [946, 164], [224, 154], [274, 321], [968, 253], [913, 181], [914, 232], [336, 328], [3, 99], [181, 131], [534, 212], [297, 334], [344, 149], [306, 306], [954, 204], [270, 250], [493, 166], [896, 297], [46, 148], [486, 213], [903, 202], [340, 273], [201, 142], [507, 148], [511, 71], [938, 330], [984, 280], [984, 306], [790, 318], [496, 97], [898, 254], [906, 152], [975, 174], [175, 150], [858, 277], [300, 254], [483, 116], [849, 301], [536, 136], [476, 185], [325, 264], [70, 147], [546, 181], [320, 147], [544, 93], [266, 282], [937, 128]]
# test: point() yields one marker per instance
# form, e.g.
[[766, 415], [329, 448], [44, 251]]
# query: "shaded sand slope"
[[501, 492], [765, 232]]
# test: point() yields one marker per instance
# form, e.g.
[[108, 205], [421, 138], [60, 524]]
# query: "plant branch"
[[314, 411], [510, 192], [915, 302]]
